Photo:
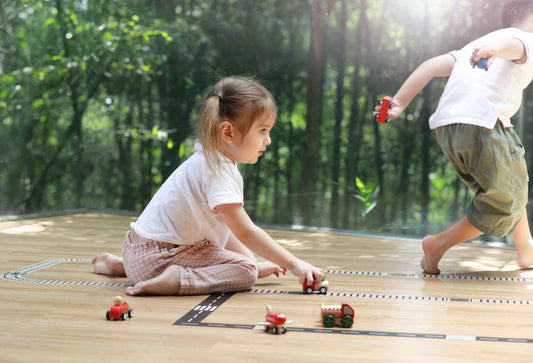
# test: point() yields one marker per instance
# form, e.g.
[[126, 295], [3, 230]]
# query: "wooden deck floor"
[[52, 307]]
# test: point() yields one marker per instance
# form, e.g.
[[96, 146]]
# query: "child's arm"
[[506, 48], [261, 243], [265, 268], [440, 66]]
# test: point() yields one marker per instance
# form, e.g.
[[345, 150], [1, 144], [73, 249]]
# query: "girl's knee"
[[251, 272]]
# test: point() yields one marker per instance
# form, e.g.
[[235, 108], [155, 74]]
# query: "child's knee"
[[251, 272]]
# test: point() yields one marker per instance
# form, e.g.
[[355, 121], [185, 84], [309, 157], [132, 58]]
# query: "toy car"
[[321, 287], [275, 322], [120, 310], [342, 315], [385, 104]]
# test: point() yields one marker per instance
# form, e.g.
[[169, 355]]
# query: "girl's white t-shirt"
[[479, 97], [182, 210]]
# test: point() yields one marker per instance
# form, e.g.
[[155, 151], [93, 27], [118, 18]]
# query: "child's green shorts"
[[492, 164]]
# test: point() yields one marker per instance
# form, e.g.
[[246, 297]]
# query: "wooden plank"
[[481, 309]]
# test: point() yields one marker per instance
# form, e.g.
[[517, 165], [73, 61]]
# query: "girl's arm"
[[440, 66], [265, 268], [262, 244]]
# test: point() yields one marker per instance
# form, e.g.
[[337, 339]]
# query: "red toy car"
[[321, 287], [386, 104], [119, 310]]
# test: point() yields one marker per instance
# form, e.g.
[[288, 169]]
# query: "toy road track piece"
[[386, 104]]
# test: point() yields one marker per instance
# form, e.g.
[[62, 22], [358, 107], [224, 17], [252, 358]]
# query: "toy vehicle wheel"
[[323, 290], [123, 315], [274, 330], [346, 321], [283, 330], [328, 321], [107, 315], [130, 313], [308, 290]]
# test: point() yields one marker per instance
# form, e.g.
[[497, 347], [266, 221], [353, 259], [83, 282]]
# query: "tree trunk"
[[356, 123], [339, 116], [311, 143]]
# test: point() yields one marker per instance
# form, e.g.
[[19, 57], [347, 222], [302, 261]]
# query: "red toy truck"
[[385, 103], [119, 310], [342, 315]]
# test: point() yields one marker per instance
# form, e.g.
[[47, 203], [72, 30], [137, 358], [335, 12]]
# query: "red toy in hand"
[[321, 286], [386, 104]]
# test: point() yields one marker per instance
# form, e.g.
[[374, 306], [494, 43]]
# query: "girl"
[[194, 237]]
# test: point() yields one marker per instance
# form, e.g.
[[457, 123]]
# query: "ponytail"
[[210, 130]]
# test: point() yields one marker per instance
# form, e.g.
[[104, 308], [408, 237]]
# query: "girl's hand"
[[306, 272], [268, 268]]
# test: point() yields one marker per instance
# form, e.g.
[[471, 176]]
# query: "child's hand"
[[505, 48], [268, 268], [394, 112], [306, 272], [483, 51]]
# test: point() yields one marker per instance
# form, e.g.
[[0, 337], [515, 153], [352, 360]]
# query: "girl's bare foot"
[[108, 264], [168, 283], [432, 255]]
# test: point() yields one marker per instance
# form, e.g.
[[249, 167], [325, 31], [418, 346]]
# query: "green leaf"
[[360, 184], [368, 209], [38, 103], [49, 21]]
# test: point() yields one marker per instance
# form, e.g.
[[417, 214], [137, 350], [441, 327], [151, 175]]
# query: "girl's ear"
[[227, 132]]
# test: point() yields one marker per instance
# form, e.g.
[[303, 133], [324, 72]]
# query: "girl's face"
[[249, 148]]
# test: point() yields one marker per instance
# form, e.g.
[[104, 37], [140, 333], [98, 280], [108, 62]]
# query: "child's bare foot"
[[108, 264], [524, 254], [168, 283], [431, 257]]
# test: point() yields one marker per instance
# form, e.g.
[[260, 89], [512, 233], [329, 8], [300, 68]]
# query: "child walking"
[[194, 237], [473, 128]]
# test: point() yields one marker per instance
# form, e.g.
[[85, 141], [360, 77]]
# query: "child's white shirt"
[[182, 210], [479, 97]]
